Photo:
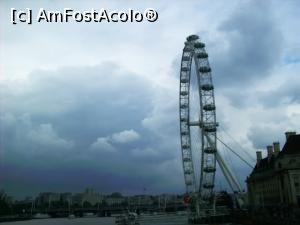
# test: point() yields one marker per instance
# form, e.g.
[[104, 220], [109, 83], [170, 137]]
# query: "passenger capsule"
[[199, 45], [209, 169], [192, 37], [188, 172], [183, 119], [188, 49], [202, 55], [186, 159], [184, 80], [207, 87], [204, 69], [209, 107], [185, 146], [185, 58], [210, 150], [183, 106], [210, 129], [185, 69], [183, 92]]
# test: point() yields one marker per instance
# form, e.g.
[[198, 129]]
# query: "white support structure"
[[231, 179]]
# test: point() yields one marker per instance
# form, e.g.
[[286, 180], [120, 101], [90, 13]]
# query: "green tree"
[[4, 206], [86, 204], [116, 195]]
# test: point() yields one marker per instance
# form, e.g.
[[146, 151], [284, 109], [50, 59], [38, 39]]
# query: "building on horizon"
[[47, 198], [91, 198], [275, 179], [140, 200], [88, 198]]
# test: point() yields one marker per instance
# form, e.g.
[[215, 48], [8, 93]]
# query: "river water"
[[144, 220], [165, 219]]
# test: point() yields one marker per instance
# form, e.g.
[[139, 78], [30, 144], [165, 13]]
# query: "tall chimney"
[[270, 151], [289, 133], [258, 156], [276, 146]]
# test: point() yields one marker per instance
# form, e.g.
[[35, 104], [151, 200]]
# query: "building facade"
[[88, 198], [275, 180], [47, 198]]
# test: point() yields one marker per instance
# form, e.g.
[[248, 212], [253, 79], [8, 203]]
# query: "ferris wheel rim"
[[194, 51]]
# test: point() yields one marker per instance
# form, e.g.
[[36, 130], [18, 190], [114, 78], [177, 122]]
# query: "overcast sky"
[[96, 104]]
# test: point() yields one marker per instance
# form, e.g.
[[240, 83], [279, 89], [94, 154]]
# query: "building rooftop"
[[264, 164], [292, 145]]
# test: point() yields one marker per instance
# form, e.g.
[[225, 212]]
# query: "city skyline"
[[80, 108]]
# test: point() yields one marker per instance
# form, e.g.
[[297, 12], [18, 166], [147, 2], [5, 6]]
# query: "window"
[[296, 183], [298, 200]]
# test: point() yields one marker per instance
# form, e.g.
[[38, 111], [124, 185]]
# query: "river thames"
[[144, 220]]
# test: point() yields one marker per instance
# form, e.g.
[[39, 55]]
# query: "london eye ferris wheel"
[[206, 125]]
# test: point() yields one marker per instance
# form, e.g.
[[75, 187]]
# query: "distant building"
[[77, 199], [89, 197], [66, 197], [275, 180], [5, 198], [167, 200], [140, 200], [46, 198]]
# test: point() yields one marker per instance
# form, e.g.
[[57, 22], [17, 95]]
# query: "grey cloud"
[[82, 111], [125, 136], [44, 135], [248, 49], [252, 45], [102, 144], [285, 94], [107, 143], [99, 119], [263, 135]]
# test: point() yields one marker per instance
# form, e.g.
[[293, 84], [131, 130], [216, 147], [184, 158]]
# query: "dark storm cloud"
[[252, 45], [248, 49], [71, 179], [106, 127], [246, 58], [98, 120]]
